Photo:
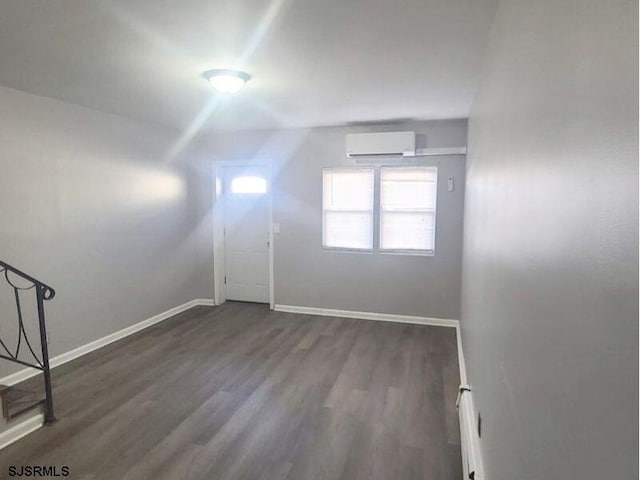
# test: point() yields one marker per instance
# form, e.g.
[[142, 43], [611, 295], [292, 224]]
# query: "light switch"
[[276, 228]]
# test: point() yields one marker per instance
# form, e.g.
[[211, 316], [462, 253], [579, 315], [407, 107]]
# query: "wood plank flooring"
[[240, 392]]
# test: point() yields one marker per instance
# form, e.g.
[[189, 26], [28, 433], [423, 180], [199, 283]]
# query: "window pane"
[[348, 208], [407, 195], [409, 174], [348, 189], [408, 188], [406, 230], [348, 230], [248, 184]]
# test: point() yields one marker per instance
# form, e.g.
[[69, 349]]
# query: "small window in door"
[[249, 184]]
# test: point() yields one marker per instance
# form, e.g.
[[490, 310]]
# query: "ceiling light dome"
[[226, 81]]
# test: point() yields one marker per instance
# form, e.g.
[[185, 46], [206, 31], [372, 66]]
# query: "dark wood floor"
[[240, 392]]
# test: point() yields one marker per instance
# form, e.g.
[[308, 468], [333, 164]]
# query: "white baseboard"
[[23, 428], [204, 302], [26, 373], [384, 317]]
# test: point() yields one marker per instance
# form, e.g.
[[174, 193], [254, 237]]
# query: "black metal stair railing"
[[43, 292]]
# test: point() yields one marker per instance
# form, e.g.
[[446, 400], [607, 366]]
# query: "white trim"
[[383, 317], [23, 428], [203, 302], [219, 267], [26, 373], [272, 293]]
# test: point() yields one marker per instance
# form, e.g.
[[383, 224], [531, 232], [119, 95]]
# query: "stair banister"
[[43, 292]]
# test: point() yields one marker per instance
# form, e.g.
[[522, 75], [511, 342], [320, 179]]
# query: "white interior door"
[[246, 223]]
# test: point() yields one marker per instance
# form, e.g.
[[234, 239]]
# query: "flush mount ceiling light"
[[226, 81]]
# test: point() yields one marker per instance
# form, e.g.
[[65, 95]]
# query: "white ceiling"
[[313, 62]]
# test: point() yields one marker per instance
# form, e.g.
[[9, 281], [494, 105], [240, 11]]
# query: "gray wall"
[[308, 275], [550, 276], [94, 205]]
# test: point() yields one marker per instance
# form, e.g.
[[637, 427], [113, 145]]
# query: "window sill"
[[347, 250], [406, 253], [412, 253]]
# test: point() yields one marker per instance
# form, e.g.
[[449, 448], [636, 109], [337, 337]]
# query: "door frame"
[[219, 246]]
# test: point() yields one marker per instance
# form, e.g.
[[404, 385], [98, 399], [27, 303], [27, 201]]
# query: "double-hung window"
[[408, 209], [405, 202], [347, 198]]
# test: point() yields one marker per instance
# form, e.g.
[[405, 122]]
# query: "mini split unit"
[[388, 143], [391, 144]]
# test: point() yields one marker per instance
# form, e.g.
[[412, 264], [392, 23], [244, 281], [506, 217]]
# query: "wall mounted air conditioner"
[[375, 144]]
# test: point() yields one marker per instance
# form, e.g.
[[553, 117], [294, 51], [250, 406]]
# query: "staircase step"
[[16, 401]]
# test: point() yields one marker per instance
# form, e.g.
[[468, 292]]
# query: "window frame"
[[377, 211], [408, 251], [373, 211]]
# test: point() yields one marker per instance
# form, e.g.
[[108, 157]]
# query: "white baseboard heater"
[[469, 436]]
